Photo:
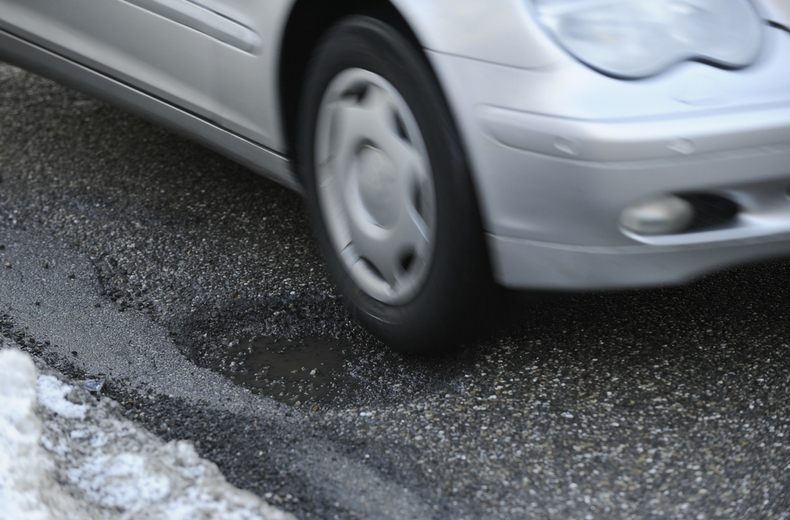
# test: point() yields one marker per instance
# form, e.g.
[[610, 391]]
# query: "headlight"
[[637, 38]]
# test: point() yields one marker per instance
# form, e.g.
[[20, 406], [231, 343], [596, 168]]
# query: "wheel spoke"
[[417, 197], [386, 262], [386, 250], [413, 233], [379, 103], [349, 122], [382, 128]]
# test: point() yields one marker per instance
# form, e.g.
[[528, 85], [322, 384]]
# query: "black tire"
[[451, 302]]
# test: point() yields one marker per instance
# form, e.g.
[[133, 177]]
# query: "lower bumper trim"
[[528, 264]]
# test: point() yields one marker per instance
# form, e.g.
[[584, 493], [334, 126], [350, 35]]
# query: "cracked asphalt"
[[132, 254]]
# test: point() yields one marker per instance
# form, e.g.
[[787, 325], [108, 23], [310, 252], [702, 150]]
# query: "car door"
[[149, 44], [247, 97]]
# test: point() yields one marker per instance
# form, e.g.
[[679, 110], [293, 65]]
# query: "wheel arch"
[[307, 22]]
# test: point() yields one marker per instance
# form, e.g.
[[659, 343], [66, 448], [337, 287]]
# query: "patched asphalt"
[[130, 253]]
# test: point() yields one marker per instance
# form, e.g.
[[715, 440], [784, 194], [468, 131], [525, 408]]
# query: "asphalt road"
[[129, 253]]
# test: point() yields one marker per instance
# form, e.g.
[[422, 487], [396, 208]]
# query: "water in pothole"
[[291, 371]]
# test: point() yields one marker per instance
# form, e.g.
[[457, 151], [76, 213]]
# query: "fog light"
[[659, 216]]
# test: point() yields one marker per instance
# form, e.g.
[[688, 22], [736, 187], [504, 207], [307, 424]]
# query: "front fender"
[[497, 31]]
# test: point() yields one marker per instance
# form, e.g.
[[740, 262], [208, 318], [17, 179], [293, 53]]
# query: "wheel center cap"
[[378, 186]]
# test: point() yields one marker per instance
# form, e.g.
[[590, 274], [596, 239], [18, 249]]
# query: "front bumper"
[[559, 152], [572, 239]]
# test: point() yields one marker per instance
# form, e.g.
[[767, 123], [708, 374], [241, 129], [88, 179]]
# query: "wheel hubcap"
[[378, 179], [375, 186]]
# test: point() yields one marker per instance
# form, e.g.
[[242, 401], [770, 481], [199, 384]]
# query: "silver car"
[[445, 146]]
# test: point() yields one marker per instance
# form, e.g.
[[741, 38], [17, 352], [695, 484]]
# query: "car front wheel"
[[389, 190]]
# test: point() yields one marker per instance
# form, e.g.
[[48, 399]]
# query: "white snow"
[[28, 489], [63, 459], [52, 394]]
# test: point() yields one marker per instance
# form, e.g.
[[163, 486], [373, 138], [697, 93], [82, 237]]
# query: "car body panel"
[[247, 99], [502, 31], [160, 47], [123, 41], [777, 11]]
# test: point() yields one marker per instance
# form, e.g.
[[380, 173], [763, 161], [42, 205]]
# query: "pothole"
[[301, 371]]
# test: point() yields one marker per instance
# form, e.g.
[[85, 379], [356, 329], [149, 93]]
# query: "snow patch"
[[84, 461], [52, 394], [122, 480], [28, 488]]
